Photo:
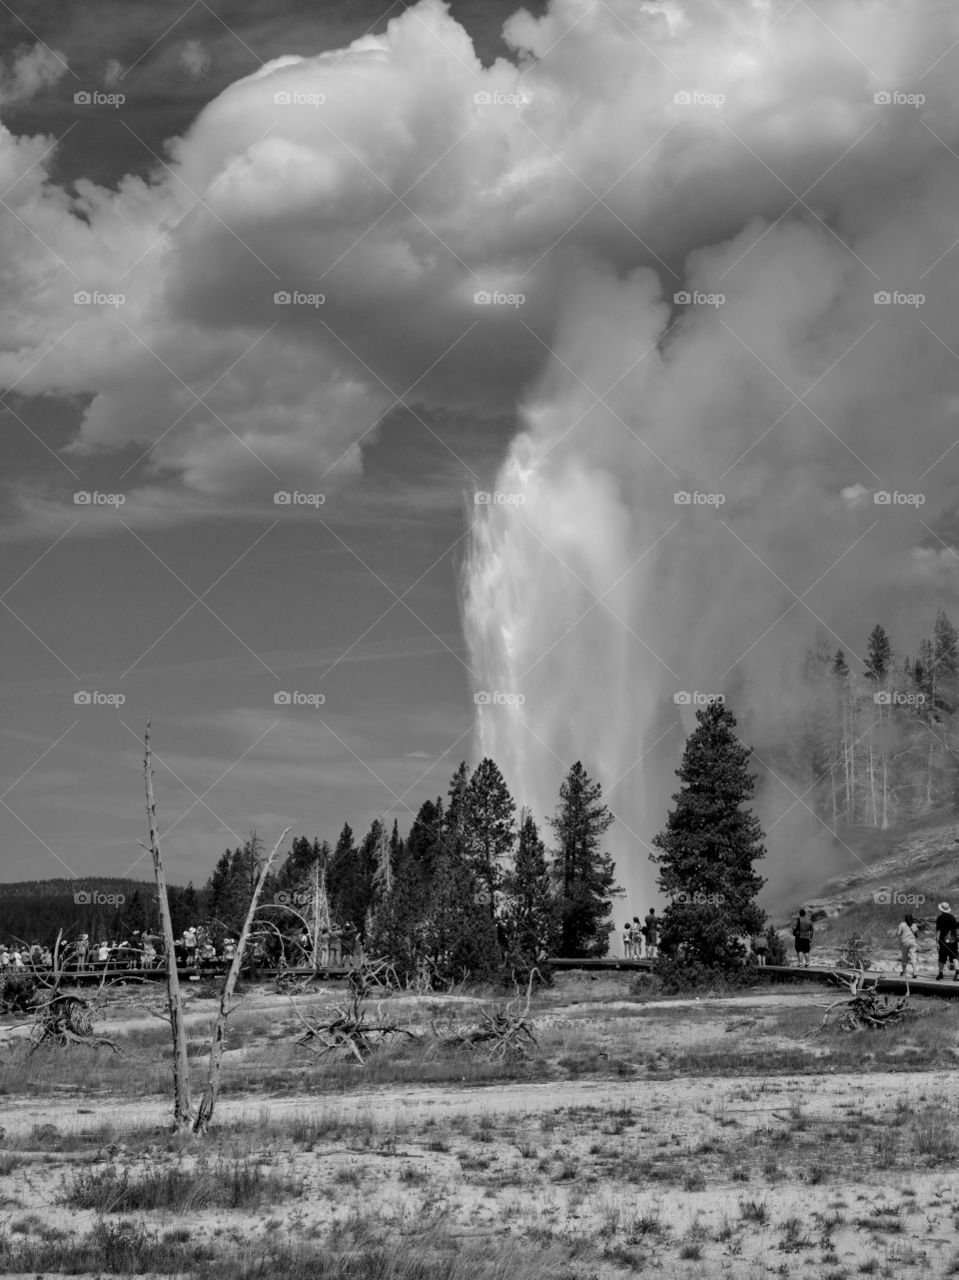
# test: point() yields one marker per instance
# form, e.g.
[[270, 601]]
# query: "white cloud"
[[29, 72]]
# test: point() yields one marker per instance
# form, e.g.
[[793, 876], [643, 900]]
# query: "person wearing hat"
[[947, 932], [908, 944]]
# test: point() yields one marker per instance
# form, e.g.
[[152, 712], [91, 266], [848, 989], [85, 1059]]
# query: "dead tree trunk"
[[182, 1105], [218, 1042]]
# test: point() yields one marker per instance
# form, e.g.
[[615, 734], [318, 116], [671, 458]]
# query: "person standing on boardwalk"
[[908, 944], [803, 931], [628, 940], [651, 933], [947, 933], [639, 940], [760, 944]]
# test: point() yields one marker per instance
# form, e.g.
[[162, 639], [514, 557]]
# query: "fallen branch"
[[863, 1007], [506, 1031], [66, 1020]]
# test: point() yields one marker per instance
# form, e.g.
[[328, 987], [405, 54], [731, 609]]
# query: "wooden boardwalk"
[[889, 983], [772, 974]]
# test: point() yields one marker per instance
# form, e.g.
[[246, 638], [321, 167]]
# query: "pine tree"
[[459, 933], [709, 846], [530, 917], [425, 834], [454, 818], [489, 828], [878, 668], [583, 871], [350, 878], [399, 924]]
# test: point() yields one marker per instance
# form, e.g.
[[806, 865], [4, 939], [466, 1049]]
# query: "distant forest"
[[470, 888], [880, 744]]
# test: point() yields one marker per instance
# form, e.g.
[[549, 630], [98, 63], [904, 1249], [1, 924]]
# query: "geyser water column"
[[554, 571]]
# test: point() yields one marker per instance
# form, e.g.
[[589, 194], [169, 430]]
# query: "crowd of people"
[[640, 941], [196, 948]]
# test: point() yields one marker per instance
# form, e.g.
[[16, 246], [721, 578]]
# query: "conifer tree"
[[530, 916], [489, 828], [583, 871], [709, 846]]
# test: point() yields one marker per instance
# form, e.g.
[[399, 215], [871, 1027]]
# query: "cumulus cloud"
[[29, 72], [695, 206]]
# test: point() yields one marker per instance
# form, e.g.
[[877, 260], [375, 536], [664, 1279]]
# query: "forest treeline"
[[879, 742], [472, 887]]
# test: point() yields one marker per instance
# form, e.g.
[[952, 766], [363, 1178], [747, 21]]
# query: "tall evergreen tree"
[[530, 915], [709, 846], [489, 828], [878, 655], [879, 663], [583, 871], [350, 880]]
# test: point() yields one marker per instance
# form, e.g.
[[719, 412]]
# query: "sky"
[[576, 259], [205, 603]]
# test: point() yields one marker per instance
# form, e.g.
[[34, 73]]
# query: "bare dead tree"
[[863, 1007], [218, 1042], [348, 1029], [505, 1032], [63, 1019], [182, 1104]]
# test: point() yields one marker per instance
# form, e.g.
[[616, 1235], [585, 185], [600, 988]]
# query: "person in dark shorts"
[[760, 944], [947, 933], [651, 933], [803, 932]]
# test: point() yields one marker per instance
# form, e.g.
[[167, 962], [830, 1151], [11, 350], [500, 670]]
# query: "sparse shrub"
[[680, 976], [776, 953], [229, 1184], [754, 1211], [18, 992]]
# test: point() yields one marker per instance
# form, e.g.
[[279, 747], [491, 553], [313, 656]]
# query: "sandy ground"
[[671, 1177]]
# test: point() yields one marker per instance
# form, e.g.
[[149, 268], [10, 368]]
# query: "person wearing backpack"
[[803, 931]]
